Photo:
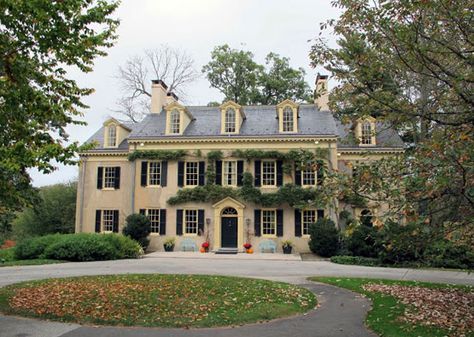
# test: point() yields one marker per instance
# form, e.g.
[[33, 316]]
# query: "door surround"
[[219, 207]]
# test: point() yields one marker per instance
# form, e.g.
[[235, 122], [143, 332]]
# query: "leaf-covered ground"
[[414, 309], [156, 300]]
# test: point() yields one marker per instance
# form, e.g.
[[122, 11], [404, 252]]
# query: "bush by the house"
[[324, 237], [446, 254], [355, 260], [138, 228], [364, 241], [33, 248]]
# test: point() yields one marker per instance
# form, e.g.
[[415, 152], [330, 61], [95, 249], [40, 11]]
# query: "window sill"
[[190, 235], [108, 189], [269, 236], [153, 186], [155, 234]]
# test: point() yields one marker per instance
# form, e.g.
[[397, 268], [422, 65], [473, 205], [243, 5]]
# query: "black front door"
[[229, 232]]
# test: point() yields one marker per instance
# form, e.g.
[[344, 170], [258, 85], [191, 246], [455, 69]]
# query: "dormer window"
[[288, 124], [365, 131], [112, 135], [230, 120], [366, 134], [287, 115], [175, 121]]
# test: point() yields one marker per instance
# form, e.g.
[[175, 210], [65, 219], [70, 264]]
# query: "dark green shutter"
[[116, 221], [142, 211], [320, 173], [258, 175], [179, 222], [320, 213], [164, 173], [100, 177], [202, 173], [181, 173], [279, 214], [297, 175], [162, 221], [117, 178], [98, 214], [240, 172], [200, 222], [279, 169], [144, 172], [218, 172], [256, 221], [298, 230]]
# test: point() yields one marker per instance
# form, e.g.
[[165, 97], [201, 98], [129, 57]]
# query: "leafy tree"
[[39, 42], [235, 74], [410, 63], [324, 237], [54, 212]]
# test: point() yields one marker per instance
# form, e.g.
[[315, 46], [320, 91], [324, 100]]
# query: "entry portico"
[[224, 223]]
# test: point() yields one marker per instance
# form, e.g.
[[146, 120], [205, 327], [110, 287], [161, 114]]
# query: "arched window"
[[288, 125], [112, 136], [366, 133], [229, 211], [366, 218], [229, 123], [175, 121]]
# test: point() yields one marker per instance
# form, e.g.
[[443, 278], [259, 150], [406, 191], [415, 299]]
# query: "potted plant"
[[205, 246], [287, 246], [169, 244], [248, 248]]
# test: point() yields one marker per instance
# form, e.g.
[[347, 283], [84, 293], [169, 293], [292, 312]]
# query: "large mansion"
[[221, 173]]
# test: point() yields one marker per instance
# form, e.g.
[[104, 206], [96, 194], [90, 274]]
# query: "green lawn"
[[387, 316], [7, 259], [156, 300]]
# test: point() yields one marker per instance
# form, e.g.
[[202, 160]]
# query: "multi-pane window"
[[192, 173], [108, 220], [268, 173], [230, 173], [109, 177], [175, 121], [366, 138], [308, 175], [308, 218], [268, 222], [190, 221], [112, 136], [288, 124], [154, 217], [229, 123], [154, 173]]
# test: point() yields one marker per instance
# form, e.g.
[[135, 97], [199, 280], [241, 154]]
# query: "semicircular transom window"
[[229, 211], [229, 125]]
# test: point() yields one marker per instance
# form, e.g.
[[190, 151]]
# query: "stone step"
[[227, 250]]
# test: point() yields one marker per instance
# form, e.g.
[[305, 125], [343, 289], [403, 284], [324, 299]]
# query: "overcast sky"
[[260, 26]]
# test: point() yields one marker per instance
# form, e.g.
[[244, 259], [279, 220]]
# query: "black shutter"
[[164, 173], [256, 221], [297, 175], [320, 173], [116, 221], [240, 172], [142, 211], [320, 213], [200, 222], [279, 169], [162, 221], [98, 214], [117, 178], [258, 180], [181, 173], [218, 172], [298, 222], [144, 173], [279, 222], [100, 177], [202, 173], [179, 222]]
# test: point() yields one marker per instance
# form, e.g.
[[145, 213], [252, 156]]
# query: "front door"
[[229, 232]]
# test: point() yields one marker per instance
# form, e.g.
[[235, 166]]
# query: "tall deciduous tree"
[[410, 63], [39, 40]]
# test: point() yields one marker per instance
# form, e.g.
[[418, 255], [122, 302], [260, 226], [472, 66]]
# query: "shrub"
[[445, 254], [33, 248], [324, 237], [138, 228], [7, 255], [356, 260], [364, 242], [82, 247], [125, 247]]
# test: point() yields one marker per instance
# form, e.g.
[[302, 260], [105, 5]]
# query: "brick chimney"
[[321, 93], [158, 95]]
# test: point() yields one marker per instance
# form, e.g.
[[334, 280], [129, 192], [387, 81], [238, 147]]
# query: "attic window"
[[112, 135], [366, 133], [288, 122], [230, 120], [175, 121]]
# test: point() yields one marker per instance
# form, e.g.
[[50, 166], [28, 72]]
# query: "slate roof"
[[385, 137], [260, 121]]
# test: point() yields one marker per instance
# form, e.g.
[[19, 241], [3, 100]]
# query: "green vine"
[[215, 155], [157, 154]]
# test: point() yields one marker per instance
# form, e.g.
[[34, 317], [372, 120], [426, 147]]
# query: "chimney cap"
[[163, 84], [172, 94], [321, 77]]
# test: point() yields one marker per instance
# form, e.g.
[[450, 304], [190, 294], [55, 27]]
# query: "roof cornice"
[[233, 139]]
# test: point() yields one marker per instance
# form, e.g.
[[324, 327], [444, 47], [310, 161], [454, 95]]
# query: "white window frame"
[[108, 178], [151, 176], [232, 165], [175, 122], [186, 173], [288, 119], [190, 216], [112, 135], [153, 215], [264, 222], [264, 174], [230, 120], [310, 172], [107, 220], [366, 133], [307, 220]]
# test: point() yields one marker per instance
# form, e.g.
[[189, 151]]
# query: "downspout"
[[82, 186]]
